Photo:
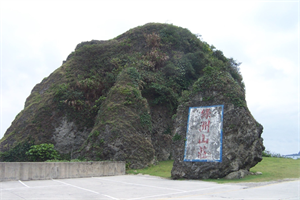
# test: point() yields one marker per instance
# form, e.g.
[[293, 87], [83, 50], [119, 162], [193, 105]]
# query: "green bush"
[[17, 153], [266, 154], [42, 152]]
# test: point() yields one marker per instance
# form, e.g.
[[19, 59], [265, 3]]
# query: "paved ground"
[[134, 187]]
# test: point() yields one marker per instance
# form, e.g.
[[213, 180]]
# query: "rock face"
[[242, 142], [118, 99], [68, 138], [123, 126], [237, 174]]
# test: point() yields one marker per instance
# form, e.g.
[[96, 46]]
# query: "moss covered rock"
[[241, 143], [118, 99]]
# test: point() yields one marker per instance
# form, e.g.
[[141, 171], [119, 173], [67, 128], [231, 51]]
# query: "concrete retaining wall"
[[58, 170]]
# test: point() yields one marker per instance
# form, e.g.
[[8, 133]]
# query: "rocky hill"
[[118, 99]]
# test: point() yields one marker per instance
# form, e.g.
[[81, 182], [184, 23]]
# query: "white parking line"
[[141, 185], [35, 187], [76, 187], [161, 195], [24, 184], [85, 189], [109, 197]]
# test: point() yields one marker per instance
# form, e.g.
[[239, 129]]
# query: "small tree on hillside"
[[42, 152]]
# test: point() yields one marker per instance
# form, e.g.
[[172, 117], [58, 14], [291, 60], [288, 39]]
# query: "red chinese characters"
[[202, 152], [203, 140], [205, 120], [204, 128], [205, 113]]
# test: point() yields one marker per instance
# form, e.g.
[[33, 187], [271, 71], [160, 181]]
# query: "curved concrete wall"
[[58, 170]]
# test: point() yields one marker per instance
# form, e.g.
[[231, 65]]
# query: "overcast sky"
[[36, 36]]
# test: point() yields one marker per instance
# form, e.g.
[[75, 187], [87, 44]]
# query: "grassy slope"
[[272, 169]]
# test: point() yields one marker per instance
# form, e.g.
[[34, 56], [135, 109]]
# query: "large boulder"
[[242, 143], [117, 99]]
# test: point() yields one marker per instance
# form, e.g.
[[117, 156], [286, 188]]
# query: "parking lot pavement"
[[134, 187]]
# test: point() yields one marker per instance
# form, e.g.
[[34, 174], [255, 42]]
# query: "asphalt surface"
[[134, 187]]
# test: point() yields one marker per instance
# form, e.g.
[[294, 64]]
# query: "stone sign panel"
[[204, 134]]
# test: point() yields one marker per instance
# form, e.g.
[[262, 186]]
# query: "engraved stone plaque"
[[204, 134]]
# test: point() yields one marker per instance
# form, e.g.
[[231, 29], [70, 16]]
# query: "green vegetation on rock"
[[114, 100], [17, 153]]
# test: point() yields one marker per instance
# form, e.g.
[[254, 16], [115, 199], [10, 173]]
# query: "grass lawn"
[[272, 169], [162, 169]]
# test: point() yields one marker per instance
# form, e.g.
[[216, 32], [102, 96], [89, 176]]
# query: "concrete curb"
[[59, 170]]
